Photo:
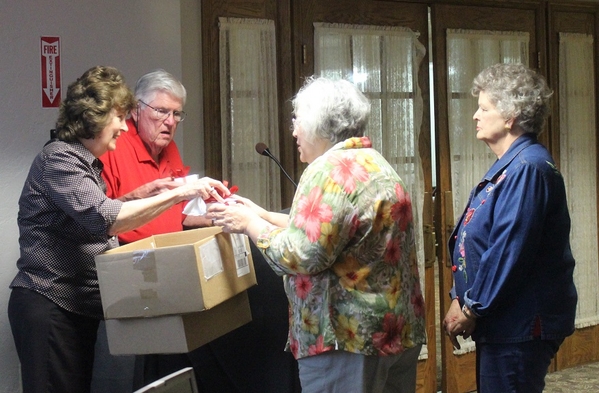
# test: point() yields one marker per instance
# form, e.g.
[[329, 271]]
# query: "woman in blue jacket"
[[512, 265]]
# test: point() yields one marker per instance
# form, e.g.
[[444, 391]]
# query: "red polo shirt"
[[130, 166]]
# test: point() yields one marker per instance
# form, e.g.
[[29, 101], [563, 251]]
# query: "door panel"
[[275, 10], [379, 13], [583, 346]]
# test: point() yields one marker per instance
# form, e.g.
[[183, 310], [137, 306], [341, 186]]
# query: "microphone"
[[262, 149]]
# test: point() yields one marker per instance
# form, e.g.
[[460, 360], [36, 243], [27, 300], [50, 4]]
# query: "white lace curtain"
[[578, 164], [249, 109], [468, 53], [383, 61]]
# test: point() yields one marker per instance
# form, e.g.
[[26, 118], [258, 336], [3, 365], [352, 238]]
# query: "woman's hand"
[[152, 188], [204, 188], [250, 204], [200, 188], [138, 212], [234, 218], [456, 323]]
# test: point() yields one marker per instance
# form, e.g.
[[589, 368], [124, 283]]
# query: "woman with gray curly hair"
[[346, 251], [65, 219], [512, 265], [518, 93]]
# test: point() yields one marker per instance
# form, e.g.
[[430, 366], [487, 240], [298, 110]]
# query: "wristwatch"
[[468, 313]]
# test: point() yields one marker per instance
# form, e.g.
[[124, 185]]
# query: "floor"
[[580, 379]]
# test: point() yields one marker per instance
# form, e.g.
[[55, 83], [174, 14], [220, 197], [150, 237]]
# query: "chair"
[[182, 381]]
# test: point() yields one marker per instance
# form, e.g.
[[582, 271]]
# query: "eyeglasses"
[[162, 114]]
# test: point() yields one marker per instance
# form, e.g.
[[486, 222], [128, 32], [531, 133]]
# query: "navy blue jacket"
[[510, 250]]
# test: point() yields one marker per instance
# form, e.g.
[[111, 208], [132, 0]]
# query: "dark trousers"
[[514, 367], [251, 358], [55, 347]]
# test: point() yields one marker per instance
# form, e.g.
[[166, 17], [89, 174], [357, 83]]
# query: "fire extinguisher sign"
[[50, 58]]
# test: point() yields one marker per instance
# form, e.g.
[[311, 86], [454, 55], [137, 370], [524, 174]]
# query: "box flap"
[[185, 237], [151, 282]]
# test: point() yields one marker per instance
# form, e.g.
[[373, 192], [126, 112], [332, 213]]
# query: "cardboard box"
[[174, 273], [176, 333]]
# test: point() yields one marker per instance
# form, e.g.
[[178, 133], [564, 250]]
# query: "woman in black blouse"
[[65, 220]]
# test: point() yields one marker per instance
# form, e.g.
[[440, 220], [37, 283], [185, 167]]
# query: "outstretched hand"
[[260, 211], [232, 217], [152, 188]]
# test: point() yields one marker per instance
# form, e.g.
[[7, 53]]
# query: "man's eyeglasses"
[[162, 114]]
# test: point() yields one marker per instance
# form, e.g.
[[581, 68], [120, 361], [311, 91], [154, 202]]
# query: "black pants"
[[55, 347]]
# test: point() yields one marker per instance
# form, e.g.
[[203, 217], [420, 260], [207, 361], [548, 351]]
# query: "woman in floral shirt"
[[346, 251]]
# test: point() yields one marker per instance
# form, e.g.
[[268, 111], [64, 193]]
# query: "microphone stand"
[[263, 150], [268, 153]]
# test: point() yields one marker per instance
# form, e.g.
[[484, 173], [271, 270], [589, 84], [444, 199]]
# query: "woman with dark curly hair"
[[65, 220], [512, 264]]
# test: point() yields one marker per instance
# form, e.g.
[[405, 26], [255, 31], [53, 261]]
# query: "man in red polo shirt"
[[145, 162], [147, 159]]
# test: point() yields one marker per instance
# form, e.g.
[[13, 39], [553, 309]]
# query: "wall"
[[135, 36], [192, 148]]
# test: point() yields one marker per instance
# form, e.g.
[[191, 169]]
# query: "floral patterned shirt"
[[348, 257]]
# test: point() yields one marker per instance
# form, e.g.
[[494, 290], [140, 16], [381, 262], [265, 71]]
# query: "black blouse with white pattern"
[[63, 219]]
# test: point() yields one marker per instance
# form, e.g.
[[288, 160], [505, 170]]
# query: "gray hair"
[[159, 81], [517, 92], [331, 109]]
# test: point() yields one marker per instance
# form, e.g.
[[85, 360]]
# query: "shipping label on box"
[[210, 255], [174, 273], [242, 254]]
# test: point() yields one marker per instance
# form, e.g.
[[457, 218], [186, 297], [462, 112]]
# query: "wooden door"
[[279, 12], [583, 346], [458, 371], [380, 13]]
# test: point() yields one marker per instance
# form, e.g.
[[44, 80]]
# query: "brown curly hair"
[[86, 110]]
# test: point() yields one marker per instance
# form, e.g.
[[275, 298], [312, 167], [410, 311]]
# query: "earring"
[[507, 127]]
